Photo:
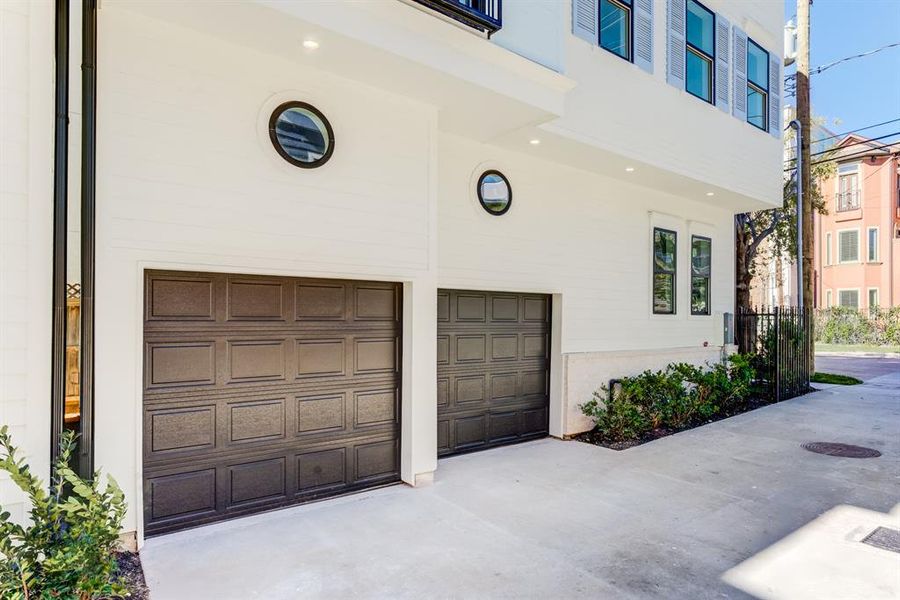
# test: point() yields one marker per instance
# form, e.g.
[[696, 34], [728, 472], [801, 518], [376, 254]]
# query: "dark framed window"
[[494, 192], [757, 85], [701, 262], [700, 51], [616, 27], [664, 267], [301, 134]]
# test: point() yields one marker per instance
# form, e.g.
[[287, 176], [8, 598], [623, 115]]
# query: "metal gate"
[[780, 338]]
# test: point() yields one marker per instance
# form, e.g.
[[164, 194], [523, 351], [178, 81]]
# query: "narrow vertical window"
[[827, 261], [664, 257], [700, 51], [615, 27], [828, 301], [848, 187], [873, 300], [701, 259], [757, 85], [872, 244]]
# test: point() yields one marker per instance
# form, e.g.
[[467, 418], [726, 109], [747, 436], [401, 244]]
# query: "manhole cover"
[[842, 450], [884, 538]]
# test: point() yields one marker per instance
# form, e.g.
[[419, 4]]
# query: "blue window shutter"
[[675, 46], [643, 34], [739, 57], [723, 62], [585, 14], [775, 125]]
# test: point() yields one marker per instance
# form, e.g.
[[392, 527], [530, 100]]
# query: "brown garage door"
[[493, 369], [261, 392]]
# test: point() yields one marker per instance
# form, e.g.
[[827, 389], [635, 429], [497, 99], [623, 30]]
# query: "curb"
[[861, 354]]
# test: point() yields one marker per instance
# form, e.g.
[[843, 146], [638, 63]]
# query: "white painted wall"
[[26, 158], [620, 108], [586, 238], [535, 30], [189, 180]]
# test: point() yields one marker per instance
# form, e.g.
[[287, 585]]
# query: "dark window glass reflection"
[[302, 135], [615, 27]]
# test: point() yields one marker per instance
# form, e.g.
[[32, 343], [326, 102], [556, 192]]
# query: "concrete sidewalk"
[[736, 501]]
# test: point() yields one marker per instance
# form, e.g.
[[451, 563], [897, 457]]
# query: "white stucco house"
[[275, 251]]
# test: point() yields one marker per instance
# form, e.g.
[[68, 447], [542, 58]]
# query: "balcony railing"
[[848, 200], [483, 15]]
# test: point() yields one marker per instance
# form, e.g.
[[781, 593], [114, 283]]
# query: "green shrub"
[[68, 550], [847, 325], [676, 397], [618, 418]]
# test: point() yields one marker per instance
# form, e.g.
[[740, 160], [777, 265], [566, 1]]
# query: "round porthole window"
[[494, 192], [301, 135]]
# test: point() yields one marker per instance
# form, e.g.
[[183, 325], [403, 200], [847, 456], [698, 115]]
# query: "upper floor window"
[[664, 257], [827, 257], [622, 27], [757, 85], [615, 27], [848, 187], [700, 51]]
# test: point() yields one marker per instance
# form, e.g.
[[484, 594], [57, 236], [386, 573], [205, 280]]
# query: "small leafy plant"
[[679, 396], [68, 550]]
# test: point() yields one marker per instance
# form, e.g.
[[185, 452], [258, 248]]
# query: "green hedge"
[[677, 397], [845, 325]]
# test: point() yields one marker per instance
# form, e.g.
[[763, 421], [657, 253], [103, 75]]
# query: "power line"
[[837, 135], [866, 141], [825, 67], [845, 157], [843, 60]]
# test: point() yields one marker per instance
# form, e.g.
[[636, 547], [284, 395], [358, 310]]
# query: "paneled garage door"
[[261, 392], [493, 369]]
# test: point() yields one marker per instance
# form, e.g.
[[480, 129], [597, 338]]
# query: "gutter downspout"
[[60, 206], [88, 218]]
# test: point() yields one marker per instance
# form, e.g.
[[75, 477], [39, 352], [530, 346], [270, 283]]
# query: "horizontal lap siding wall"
[[584, 236], [189, 180], [26, 178], [587, 238]]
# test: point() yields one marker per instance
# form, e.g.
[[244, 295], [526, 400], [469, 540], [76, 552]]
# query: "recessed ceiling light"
[[534, 142], [629, 169], [310, 44], [710, 193]]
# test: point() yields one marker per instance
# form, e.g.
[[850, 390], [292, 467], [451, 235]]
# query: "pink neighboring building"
[[857, 259]]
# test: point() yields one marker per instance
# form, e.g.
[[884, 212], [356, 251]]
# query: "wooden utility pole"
[[803, 115], [805, 249]]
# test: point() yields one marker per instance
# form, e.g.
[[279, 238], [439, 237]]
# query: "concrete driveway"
[[734, 509]]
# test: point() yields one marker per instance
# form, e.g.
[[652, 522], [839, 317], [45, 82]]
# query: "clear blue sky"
[[863, 91]]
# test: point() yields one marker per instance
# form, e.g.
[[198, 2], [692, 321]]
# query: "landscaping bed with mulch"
[[132, 575], [598, 438], [641, 408]]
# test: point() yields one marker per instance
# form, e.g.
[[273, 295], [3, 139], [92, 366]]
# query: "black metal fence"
[[781, 339]]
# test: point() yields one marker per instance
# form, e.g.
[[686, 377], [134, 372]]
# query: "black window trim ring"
[[481, 178], [273, 136]]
